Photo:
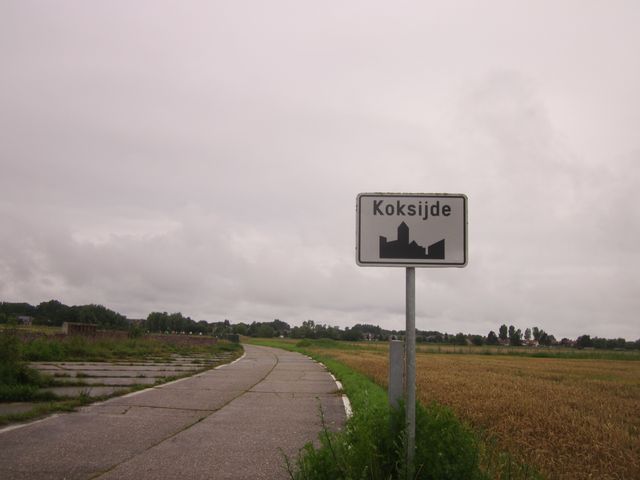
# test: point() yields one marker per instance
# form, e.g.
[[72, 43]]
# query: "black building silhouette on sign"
[[402, 248]]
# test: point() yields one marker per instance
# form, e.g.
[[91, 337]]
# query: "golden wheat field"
[[569, 418]]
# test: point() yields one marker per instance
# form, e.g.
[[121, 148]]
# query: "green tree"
[[280, 327], [308, 329], [502, 333], [352, 334], [544, 338], [584, 341], [527, 334], [536, 334], [240, 329], [54, 311], [492, 338], [516, 340], [460, 339], [265, 331]]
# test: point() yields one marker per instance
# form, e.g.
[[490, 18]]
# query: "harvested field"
[[569, 418]]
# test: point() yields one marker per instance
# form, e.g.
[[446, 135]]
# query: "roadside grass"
[[61, 405], [77, 348], [43, 409], [372, 443]]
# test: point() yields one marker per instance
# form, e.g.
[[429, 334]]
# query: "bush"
[[10, 352], [43, 349], [135, 331], [18, 382]]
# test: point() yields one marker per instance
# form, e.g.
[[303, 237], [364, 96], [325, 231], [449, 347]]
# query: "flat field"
[[570, 418]]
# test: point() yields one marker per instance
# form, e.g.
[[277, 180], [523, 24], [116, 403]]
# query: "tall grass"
[[99, 349], [18, 382]]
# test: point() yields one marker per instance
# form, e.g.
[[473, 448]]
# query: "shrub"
[[9, 346], [18, 382]]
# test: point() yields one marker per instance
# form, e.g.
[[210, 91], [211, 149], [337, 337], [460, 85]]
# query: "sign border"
[[411, 264]]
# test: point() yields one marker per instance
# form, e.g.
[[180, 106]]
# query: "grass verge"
[[372, 444]]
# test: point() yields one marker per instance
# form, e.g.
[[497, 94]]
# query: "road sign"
[[411, 230]]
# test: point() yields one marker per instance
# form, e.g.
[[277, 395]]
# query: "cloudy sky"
[[205, 157]]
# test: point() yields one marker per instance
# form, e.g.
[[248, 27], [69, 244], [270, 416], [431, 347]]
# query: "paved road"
[[234, 422]]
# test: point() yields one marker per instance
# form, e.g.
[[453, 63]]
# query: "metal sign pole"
[[411, 230], [410, 385]]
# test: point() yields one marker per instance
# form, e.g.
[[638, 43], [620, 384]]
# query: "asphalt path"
[[234, 422]]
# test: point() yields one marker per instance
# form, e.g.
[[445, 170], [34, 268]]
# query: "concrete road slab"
[[107, 367], [92, 391], [17, 407], [111, 380], [186, 399], [194, 428], [227, 446], [298, 376], [80, 445], [119, 374], [327, 386]]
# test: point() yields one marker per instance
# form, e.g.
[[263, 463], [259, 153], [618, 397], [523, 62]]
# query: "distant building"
[[72, 328], [25, 320]]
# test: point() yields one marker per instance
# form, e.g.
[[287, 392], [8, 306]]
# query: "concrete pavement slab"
[[177, 398], [16, 407], [327, 386], [92, 391], [120, 374], [227, 445], [81, 445], [110, 380], [194, 428]]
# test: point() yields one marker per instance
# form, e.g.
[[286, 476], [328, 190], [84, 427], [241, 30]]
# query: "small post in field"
[[396, 372]]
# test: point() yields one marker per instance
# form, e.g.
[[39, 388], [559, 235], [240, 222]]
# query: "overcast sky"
[[205, 157]]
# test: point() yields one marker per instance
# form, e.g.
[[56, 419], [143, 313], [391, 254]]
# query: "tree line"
[[54, 313]]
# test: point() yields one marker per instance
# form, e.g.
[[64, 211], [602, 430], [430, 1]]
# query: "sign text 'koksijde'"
[[421, 209]]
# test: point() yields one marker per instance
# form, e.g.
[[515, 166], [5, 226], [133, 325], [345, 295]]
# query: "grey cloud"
[[206, 157]]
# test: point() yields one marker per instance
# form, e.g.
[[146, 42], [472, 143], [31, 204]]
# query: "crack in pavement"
[[187, 427]]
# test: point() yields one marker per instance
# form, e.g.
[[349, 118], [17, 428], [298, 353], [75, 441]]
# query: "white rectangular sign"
[[411, 230]]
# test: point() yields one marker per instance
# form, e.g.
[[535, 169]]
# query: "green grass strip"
[[372, 445]]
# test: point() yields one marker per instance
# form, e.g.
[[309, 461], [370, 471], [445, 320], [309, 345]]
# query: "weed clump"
[[18, 382], [373, 446]]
